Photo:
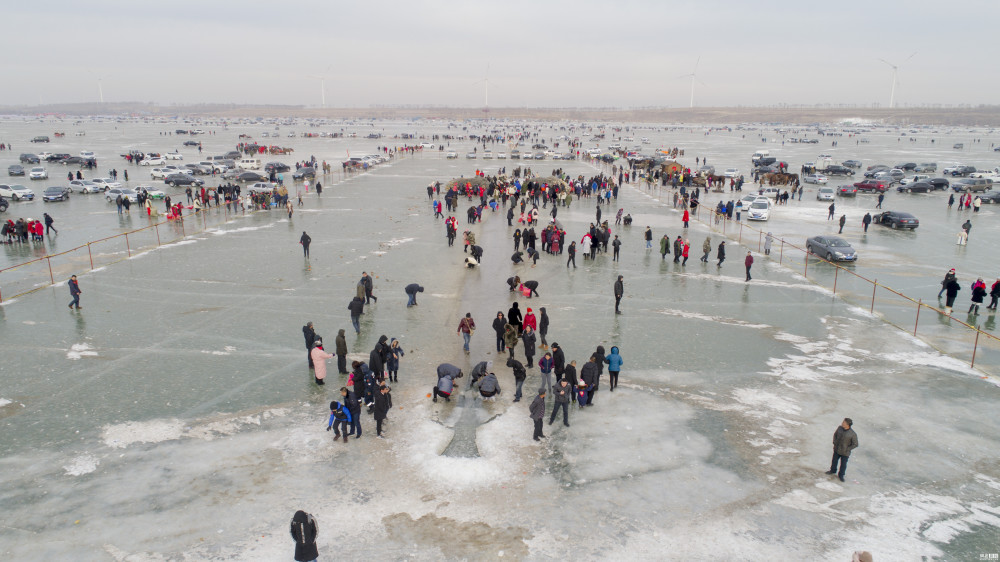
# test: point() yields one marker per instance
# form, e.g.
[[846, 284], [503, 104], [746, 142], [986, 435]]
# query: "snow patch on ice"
[[763, 402], [709, 318], [741, 281], [83, 464], [934, 359], [4, 402], [78, 350], [120, 436], [397, 241], [221, 232]]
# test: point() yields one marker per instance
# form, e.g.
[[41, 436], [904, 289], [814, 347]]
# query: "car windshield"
[[53, 190], [838, 243], [759, 205]]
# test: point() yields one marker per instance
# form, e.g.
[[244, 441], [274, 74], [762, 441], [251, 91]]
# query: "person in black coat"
[[381, 409], [411, 291], [352, 402], [310, 334], [543, 327], [951, 291], [305, 240], [304, 532], [533, 286], [376, 359], [519, 375], [591, 377], [558, 360], [357, 308], [528, 337], [513, 282], [517, 258], [722, 253], [619, 292], [569, 374], [498, 324], [477, 253], [514, 317]]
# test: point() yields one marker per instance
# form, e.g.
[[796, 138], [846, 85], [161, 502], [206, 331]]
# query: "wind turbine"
[[322, 85], [693, 76], [486, 104], [895, 70]]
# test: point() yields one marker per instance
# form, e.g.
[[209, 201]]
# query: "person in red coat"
[[748, 262]]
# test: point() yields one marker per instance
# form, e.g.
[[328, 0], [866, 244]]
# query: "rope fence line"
[[729, 229]]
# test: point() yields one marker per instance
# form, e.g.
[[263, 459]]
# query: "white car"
[[501, 155], [732, 173], [914, 179], [825, 194], [816, 178], [760, 209], [487, 155], [173, 156], [84, 186], [470, 155], [451, 155], [17, 192], [428, 145], [43, 155], [152, 161], [160, 173], [112, 194], [87, 154], [261, 187], [106, 183], [38, 174], [151, 192], [171, 169]]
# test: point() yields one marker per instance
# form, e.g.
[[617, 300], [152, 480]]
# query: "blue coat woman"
[[614, 362]]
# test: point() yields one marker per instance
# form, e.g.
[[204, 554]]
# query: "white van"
[[760, 154], [248, 164]]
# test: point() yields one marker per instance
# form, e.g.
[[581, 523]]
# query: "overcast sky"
[[541, 53]]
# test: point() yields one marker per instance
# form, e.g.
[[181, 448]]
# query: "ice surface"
[[174, 418]]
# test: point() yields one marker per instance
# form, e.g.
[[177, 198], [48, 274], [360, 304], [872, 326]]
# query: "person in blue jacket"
[[339, 418], [614, 362]]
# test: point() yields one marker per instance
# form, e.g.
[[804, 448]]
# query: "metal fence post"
[[740, 240], [91, 254], [760, 236], [874, 288], [917, 320], [157, 228], [128, 248], [781, 252], [805, 270], [836, 272], [975, 346], [51, 278]]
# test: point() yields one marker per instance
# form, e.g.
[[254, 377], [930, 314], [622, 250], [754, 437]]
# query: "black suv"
[[29, 159], [40, 139], [838, 171], [276, 167], [963, 170]]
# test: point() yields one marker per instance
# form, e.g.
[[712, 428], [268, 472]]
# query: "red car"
[[872, 185]]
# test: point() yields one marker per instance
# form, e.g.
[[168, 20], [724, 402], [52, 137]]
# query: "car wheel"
[[892, 225], [829, 256], [908, 190]]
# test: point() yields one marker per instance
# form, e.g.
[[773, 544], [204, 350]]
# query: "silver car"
[[832, 248]]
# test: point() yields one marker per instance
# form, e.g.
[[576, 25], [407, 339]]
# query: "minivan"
[[248, 164], [972, 184]]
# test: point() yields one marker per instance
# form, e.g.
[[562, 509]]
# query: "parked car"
[[15, 170], [55, 193], [927, 167], [816, 178], [470, 155], [731, 173], [301, 173], [939, 183], [191, 143], [154, 161], [872, 170], [503, 156], [451, 155], [183, 179], [55, 157], [195, 169], [833, 248], [16, 192], [38, 174], [174, 155], [990, 197], [872, 185], [916, 187], [963, 170], [914, 179], [852, 163], [150, 192], [276, 167], [106, 183], [847, 191], [41, 138], [72, 160], [836, 170], [896, 219], [972, 185], [825, 194], [261, 187], [85, 186], [250, 176], [30, 159], [907, 166], [112, 194]]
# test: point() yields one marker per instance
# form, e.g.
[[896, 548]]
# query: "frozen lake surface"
[[173, 418]]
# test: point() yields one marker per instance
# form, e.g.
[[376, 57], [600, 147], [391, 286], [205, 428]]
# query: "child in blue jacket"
[[340, 417]]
